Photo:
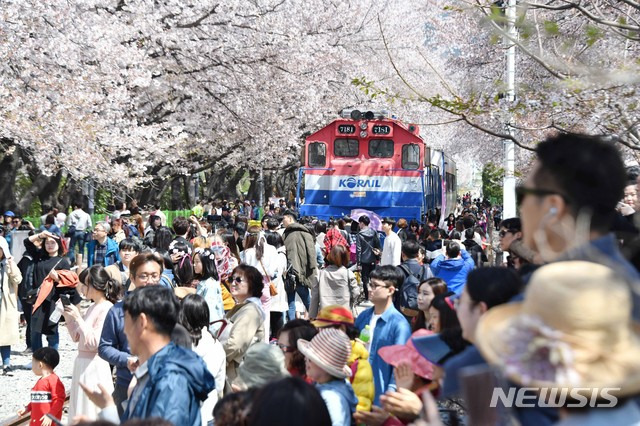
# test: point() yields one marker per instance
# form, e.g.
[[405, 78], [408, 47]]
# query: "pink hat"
[[330, 350], [397, 354]]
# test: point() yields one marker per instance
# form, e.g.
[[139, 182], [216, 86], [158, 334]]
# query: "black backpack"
[[407, 297]]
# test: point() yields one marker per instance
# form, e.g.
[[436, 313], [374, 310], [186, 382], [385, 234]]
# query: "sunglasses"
[[523, 191], [502, 233], [237, 280]]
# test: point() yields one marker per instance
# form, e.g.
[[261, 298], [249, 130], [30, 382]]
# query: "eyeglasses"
[[374, 286], [504, 232], [286, 348], [523, 191], [147, 277], [237, 280]]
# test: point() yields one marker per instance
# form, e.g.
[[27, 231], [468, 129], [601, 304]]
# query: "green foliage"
[[551, 28], [492, 176], [593, 34]]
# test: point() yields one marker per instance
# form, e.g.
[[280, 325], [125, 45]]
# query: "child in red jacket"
[[47, 396]]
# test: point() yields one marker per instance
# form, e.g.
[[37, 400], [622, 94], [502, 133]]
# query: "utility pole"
[[509, 183], [261, 200]]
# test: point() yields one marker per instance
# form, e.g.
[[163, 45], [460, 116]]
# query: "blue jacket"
[[112, 256], [178, 383], [391, 329], [114, 346], [340, 400], [453, 271]]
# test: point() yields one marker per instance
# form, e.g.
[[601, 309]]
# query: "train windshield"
[[345, 148], [410, 156], [380, 148], [317, 154]]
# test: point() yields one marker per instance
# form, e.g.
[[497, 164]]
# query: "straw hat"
[[330, 350], [573, 330], [396, 354], [333, 315]]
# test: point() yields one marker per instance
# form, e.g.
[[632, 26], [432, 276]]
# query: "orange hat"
[[333, 315]]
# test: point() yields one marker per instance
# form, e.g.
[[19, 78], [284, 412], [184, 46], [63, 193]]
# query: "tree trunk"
[[49, 194], [176, 194], [8, 171]]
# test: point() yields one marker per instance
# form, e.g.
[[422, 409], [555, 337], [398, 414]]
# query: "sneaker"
[[6, 370], [27, 351]]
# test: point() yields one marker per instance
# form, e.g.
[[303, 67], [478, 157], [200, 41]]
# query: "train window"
[[380, 148], [317, 154], [346, 148], [410, 156]]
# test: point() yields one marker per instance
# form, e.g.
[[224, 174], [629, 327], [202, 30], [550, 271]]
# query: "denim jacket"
[[391, 329]]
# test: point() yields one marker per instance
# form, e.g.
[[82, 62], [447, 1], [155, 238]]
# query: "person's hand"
[[377, 416], [101, 398], [72, 311], [175, 257], [625, 209], [193, 219], [403, 404], [404, 375], [54, 275], [430, 415], [376, 251], [45, 421], [132, 363], [45, 234], [21, 412]]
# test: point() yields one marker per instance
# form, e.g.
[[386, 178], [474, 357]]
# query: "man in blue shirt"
[[387, 326]]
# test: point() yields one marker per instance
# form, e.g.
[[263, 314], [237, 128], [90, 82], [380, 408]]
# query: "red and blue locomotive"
[[369, 161]]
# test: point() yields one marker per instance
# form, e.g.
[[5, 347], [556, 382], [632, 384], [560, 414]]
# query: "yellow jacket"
[[362, 381], [227, 300]]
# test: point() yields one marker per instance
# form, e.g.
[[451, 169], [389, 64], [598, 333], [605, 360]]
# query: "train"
[[375, 162]]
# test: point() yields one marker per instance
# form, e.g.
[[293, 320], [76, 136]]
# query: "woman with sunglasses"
[[288, 337], [246, 320]]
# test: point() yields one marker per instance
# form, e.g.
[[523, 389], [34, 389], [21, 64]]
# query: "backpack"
[[407, 297]]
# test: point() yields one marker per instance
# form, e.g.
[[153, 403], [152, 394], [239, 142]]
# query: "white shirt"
[[372, 328], [392, 250]]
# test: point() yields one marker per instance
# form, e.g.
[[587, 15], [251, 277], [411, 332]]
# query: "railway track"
[[24, 420]]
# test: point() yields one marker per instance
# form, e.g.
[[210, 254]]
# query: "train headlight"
[[363, 126], [356, 114], [363, 134], [369, 115]]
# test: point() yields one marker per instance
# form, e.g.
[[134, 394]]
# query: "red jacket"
[[47, 396]]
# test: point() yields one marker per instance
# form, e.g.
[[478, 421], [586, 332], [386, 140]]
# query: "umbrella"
[[376, 221]]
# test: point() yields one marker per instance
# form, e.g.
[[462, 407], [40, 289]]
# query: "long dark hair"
[[183, 268], [208, 260], [162, 239], [448, 316], [194, 316], [98, 278], [438, 286], [298, 329]]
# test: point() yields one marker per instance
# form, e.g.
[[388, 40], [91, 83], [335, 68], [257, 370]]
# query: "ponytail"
[[113, 290]]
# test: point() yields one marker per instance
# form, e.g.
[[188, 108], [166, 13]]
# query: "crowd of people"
[[221, 320]]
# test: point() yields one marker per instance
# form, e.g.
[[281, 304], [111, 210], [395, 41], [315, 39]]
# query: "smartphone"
[[56, 421], [65, 300]]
